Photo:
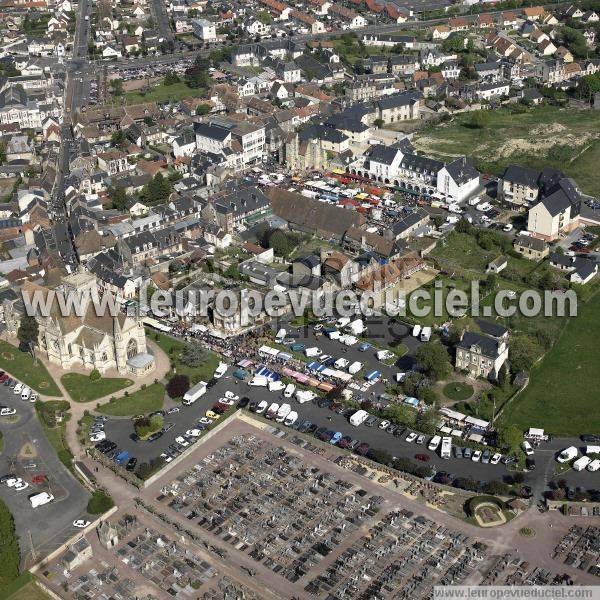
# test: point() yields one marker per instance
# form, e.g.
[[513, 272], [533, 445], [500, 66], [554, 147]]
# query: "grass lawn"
[[527, 139], [55, 432], [562, 396], [29, 590], [458, 391], [162, 93], [82, 389], [173, 348], [138, 403], [20, 366]]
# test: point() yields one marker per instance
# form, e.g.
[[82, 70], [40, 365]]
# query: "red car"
[[362, 449], [422, 457], [3, 377]]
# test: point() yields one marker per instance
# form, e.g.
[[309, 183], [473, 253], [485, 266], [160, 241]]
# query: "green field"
[[82, 389], [20, 366], [173, 348], [138, 403], [458, 391], [163, 93], [562, 396], [544, 136]]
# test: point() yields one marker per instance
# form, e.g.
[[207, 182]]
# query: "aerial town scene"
[[299, 301]]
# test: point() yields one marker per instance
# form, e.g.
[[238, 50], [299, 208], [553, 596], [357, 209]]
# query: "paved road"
[[50, 525]]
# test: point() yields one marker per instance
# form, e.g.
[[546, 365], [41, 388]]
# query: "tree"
[[590, 85], [510, 437], [95, 375], [194, 354], [196, 75], [116, 87], [524, 351], [203, 109], [178, 385], [99, 503], [399, 414], [379, 123], [479, 120], [118, 197], [428, 421], [495, 488], [171, 78], [282, 243], [433, 357], [117, 138], [28, 332], [157, 190], [453, 44], [264, 17]]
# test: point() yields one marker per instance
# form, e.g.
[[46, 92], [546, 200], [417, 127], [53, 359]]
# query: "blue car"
[[337, 436], [364, 347]]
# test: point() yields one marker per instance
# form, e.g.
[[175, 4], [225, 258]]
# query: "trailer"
[[446, 449], [359, 417], [40, 499]]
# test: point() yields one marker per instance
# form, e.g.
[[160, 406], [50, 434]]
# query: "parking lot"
[[28, 454]]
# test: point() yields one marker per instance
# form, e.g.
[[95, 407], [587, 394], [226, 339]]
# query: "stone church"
[[91, 341]]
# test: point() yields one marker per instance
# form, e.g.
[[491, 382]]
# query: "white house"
[[204, 30]]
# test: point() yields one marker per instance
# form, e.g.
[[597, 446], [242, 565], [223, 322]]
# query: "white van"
[[283, 412], [259, 381], [40, 499], [567, 454], [359, 417], [280, 335], [581, 463], [276, 386], [262, 406], [18, 388], [348, 340], [312, 352], [272, 410], [220, 370], [355, 367], [25, 393], [291, 418], [416, 330], [434, 443], [290, 388], [425, 334], [594, 465]]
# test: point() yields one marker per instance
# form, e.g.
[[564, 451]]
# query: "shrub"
[[147, 425], [95, 375], [178, 385], [99, 503]]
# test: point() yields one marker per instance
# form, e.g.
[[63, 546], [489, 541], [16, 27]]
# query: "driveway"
[[25, 444]]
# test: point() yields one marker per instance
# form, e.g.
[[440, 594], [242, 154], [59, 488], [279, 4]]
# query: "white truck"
[[355, 367], [40, 499], [283, 412], [581, 463], [446, 449], [567, 454], [359, 417], [194, 393], [425, 334], [434, 443]]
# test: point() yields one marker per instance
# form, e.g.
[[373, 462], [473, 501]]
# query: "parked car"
[[411, 437], [527, 448], [422, 457], [362, 449], [81, 523], [476, 456], [421, 439]]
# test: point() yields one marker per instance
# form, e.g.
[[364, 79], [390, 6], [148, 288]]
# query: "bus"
[[446, 447]]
